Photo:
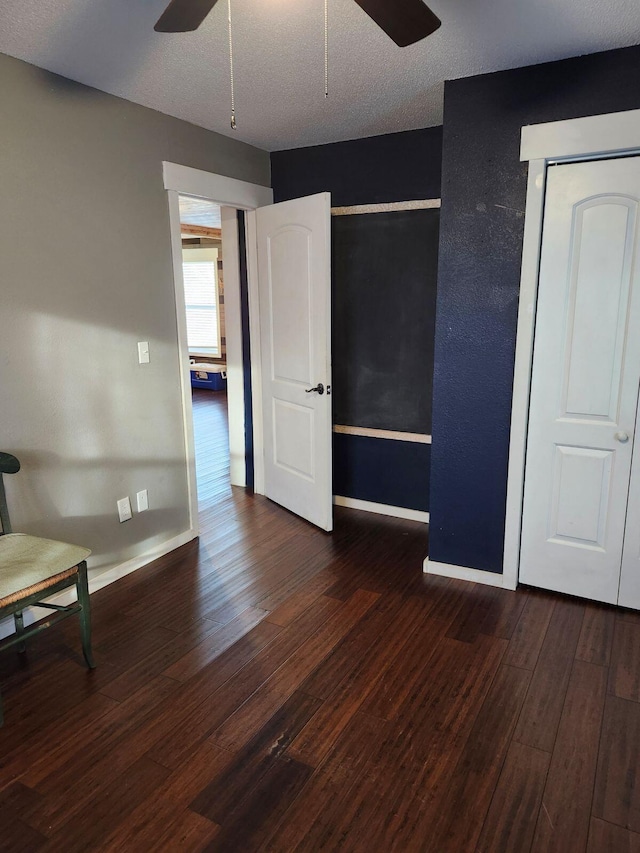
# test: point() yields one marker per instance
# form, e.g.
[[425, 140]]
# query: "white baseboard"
[[98, 581], [110, 575], [382, 509], [448, 570]]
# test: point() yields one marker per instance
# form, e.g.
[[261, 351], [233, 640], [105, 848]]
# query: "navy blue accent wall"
[[394, 167], [386, 471], [481, 228]]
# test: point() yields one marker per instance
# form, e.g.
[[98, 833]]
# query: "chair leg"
[[18, 618], [1, 713], [85, 614]]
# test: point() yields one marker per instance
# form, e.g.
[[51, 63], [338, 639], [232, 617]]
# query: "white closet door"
[[584, 387]]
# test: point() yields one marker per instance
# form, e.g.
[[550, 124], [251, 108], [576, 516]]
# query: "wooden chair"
[[31, 569]]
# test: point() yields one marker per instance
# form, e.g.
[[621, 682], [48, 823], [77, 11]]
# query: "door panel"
[[290, 296], [294, 284], [598, 299], [581, 493], [584, 385]]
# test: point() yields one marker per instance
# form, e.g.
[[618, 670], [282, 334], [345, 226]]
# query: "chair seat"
[[29, 564]]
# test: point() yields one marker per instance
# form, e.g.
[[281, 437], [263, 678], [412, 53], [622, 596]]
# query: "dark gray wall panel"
[[384, 297]]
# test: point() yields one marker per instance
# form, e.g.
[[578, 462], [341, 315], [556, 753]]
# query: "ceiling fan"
[[404, 21]]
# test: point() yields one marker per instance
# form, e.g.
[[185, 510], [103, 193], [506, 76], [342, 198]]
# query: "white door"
[[294, 279], [585, 379]]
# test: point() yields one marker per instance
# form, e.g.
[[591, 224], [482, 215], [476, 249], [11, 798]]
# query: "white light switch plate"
[[124, 509], [143, 500], [143, 352]]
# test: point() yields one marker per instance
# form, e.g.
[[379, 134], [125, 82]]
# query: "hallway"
[[211, 431]]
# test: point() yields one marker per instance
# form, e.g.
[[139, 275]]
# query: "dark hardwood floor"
[[276, 688]]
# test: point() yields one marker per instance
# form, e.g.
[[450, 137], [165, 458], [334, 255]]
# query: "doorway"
[[204, 305], [231, 196], [287, 274]]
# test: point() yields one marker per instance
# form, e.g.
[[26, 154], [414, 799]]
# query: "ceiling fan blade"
[[183, 16], [404, 21]]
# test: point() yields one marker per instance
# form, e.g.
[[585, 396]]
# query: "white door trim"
[[615, 134], [583, 138], [256, 362], [242, 195], [218, 188], [233, 333]]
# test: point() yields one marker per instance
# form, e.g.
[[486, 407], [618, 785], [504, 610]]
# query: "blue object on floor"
[[211, 376]]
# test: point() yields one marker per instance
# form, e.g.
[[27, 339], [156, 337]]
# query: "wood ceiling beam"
[[200, 231]]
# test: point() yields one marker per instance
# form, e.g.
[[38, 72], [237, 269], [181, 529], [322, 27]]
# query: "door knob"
[[319, 388], [622, 437]]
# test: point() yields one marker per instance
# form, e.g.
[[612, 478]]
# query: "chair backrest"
[[8, 465]]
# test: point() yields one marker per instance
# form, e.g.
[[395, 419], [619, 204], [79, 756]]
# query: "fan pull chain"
[[326, 48], [233, 94]]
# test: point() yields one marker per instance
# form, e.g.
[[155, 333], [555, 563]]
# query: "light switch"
[[124, 509], [143, 500], [143, 352]]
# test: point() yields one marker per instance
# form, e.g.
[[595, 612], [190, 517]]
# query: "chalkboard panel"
[[383, 318]]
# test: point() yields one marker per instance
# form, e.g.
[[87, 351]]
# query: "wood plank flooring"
[[275, 688]]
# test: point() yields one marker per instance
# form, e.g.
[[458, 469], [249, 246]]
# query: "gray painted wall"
[[85, 273]]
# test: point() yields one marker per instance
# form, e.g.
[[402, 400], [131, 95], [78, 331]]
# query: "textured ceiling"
[[375, 87]]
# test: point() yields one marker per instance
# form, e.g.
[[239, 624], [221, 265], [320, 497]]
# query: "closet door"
[[585, 379]]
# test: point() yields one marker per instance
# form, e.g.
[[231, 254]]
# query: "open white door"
[[294, 280]]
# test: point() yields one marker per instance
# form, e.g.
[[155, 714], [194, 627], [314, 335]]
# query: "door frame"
[[573, 140], [241, 195]]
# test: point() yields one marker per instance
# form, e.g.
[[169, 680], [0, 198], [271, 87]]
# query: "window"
[[200, 272]]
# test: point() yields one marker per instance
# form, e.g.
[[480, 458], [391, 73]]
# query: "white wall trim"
[[256, 349], [183, 357], [447, 570], [590, 137], [101, 579], [218, 188], [522, 367], [387, 207], [382, 509], [583, 138], [228, 193], [393, 435], [233, 335]]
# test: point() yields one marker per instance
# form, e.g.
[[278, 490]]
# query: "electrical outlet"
[[143, 500], [124, 509]]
